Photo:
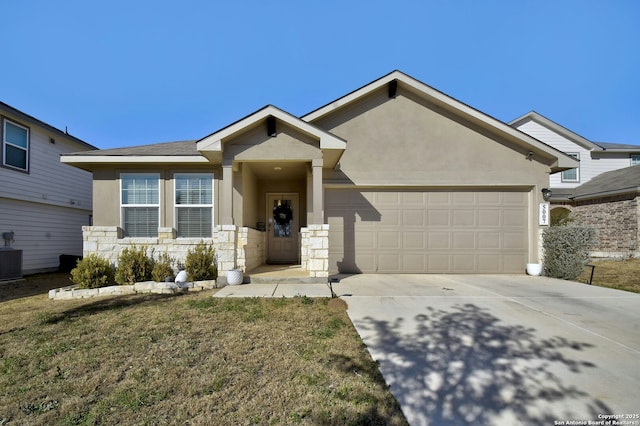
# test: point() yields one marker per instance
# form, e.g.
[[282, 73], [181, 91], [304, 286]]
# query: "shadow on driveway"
[[463, 366]]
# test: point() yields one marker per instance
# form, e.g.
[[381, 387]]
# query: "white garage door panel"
[[427, 231]]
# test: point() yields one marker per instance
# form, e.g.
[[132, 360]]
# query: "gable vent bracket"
[[393, 88], [271, 126]]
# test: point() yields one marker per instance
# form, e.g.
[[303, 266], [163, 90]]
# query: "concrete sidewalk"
[[274, 290]]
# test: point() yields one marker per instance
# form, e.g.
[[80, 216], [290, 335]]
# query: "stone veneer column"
[[226, 250], [101, 240], [315, 250]]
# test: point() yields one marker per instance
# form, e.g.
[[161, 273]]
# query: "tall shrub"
[[92, 271], [201, 263], [566, 250], [133, 266], [162, 268]]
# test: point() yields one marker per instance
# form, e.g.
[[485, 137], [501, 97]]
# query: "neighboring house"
[[43, 202], [394, 177], [595, 157], [609, 203], [601, 193]]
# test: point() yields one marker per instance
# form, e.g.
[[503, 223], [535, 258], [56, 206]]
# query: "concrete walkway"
[[274, 290]]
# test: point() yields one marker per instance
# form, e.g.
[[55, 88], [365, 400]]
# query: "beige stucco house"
[[394, 177]]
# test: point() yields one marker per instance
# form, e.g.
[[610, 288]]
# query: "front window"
[[140, 198], [572, 175], [15, 146], [635, 159], [194, 205]]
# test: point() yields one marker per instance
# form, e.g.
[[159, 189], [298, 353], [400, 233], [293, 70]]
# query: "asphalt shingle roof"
[[180, 148], [619, 180]]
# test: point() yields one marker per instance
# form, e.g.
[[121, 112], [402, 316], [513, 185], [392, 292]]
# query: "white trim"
[[123, 206], [177, 206], [213, 142], [6, 142], [562, 161], [577, 169]]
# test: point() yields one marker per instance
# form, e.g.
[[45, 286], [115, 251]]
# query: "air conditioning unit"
[[10, 264]]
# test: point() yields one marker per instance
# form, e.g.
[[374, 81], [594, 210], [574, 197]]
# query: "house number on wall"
[[543, 215]]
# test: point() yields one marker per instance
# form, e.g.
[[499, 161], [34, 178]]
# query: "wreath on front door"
[[282, 214]]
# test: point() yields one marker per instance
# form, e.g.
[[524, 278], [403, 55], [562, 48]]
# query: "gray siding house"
[[43, 202]]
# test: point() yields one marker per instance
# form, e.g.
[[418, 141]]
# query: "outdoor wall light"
[[546, 194]]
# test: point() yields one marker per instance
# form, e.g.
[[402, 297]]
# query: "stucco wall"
[[406, 141], [106, 192]]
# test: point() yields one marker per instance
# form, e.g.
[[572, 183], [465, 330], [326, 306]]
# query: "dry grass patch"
[[619, 274], [190, 359]]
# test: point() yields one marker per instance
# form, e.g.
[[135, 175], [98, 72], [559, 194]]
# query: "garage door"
[[427, 231]]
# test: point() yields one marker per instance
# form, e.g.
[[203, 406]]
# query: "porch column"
[[316, 173], [226, 209]]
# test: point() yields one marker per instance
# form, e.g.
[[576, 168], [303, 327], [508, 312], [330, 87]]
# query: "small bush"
[[133, 266], [201, 263], [566, 250], [162, 268], [92, 272]]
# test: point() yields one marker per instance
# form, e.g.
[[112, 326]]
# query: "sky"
[[132, 72]]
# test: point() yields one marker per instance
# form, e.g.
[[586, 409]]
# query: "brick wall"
[[615, 219]]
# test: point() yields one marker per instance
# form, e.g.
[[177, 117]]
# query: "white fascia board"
[[209, 143], [557, 128], [106, 159], [347, 99], [327, 140]]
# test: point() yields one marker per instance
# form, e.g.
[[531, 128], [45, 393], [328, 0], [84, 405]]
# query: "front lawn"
[[187, 359], [619, 274]]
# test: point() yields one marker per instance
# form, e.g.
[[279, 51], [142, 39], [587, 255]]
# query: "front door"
[[282, 228]]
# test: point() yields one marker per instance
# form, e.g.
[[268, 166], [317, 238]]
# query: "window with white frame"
[[194, 205], [572, 175], [635, 159], [140, 202], [15, 146]]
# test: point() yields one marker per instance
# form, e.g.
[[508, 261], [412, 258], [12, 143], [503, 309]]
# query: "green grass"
[[155, 359]]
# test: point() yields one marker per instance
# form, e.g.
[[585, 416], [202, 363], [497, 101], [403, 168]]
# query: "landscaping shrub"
[[566, 250], [92, 272], [201, 263], [162, 268], [133, 266]]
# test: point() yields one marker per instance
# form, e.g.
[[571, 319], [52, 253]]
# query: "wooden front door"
[[282, 228]]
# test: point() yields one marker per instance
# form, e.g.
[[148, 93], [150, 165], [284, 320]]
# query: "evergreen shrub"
[[566, 250], [162, 268], [133, 266], [92, 271], [201, 263]]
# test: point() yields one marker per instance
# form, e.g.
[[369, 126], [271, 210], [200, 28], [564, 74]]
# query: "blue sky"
[[121, 73]]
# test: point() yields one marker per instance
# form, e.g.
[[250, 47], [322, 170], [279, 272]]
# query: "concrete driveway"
[[508, 350]]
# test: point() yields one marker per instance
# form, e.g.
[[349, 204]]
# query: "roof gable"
[[212, 146], [557, 128], [397, 80]]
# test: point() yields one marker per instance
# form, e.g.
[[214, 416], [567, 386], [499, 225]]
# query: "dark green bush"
[[201, 263], [566, 250], [92, 272], [133, 266], [162, 268]]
